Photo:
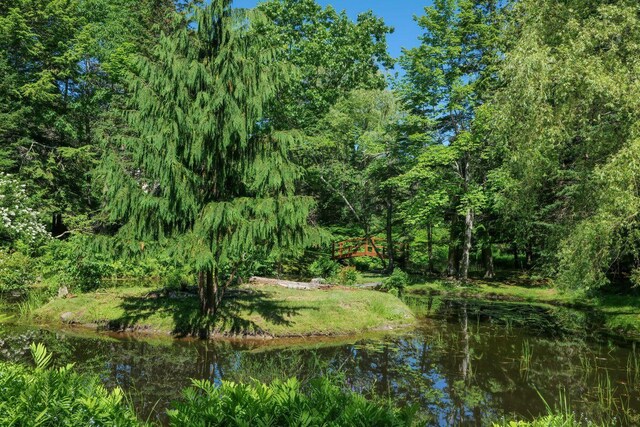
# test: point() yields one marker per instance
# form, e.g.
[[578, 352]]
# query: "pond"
[[468, 362]]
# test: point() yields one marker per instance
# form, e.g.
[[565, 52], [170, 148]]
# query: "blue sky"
[[396, 13]]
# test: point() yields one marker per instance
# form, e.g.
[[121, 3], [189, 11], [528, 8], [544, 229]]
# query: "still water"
[[467, 363]]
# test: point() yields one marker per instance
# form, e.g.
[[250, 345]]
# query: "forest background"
[[508, 145]]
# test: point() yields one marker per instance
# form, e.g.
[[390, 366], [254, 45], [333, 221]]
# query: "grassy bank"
[[619, 314], [251, 310]]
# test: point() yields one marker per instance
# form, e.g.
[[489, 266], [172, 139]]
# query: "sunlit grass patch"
[[262, 310]]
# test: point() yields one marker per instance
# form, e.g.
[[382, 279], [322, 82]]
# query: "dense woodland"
[[201, 144]]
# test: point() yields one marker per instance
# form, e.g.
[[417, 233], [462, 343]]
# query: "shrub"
[[324, 267], [58, 397], [81, 266], [396, 282], [348, 276], [283, 403], [18, 221], [16, 271], [367, 263], [71, 263]]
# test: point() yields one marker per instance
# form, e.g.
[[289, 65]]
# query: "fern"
[[281, 403], [41, 356], [58, 397]]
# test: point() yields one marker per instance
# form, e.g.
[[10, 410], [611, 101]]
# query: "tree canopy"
[[216, 142]]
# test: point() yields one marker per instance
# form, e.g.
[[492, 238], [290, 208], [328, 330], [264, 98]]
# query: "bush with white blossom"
[[18, 221]]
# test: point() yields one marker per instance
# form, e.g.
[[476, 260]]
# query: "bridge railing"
[[359, 247]]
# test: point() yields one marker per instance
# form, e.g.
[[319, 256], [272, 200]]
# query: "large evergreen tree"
[[202, 166]]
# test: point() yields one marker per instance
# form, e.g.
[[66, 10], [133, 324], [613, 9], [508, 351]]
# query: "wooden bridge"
[[365, 246]]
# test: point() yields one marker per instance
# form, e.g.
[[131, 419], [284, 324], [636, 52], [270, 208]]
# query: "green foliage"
[[203, 170], [71, 263], [568, 186], [367, 263], [546, 421], [321, 403], [34, 299], [353, 152], [16, 271], [396, 282], [47, 396], [334, 55], [348, 276], [78, 265], [324, 267], [448, 78]]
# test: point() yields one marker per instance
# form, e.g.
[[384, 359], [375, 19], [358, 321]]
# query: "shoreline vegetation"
[[268, 309], [618, 315], [250, 311], [50, 396], [154, 154]]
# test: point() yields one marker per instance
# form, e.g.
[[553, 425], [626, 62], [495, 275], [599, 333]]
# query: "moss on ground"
[[251, 310]]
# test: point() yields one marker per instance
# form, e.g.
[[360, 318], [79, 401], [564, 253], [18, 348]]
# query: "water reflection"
[[467, 363]]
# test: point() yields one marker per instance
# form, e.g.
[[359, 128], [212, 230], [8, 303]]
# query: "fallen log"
[[286, 283]]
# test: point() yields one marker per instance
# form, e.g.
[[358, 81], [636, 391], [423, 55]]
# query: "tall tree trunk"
[[453, 256], [529, 255], [466, 247], [516, 257], [487, 259], [430, 247], [452, 260], [207, 291], [389, 227]]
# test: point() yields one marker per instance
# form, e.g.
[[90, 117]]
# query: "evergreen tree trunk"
[[487, 259], [466, 248], [209, 301]]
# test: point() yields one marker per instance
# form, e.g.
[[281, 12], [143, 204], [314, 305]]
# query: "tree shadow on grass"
[[618, 304], [233, 318]]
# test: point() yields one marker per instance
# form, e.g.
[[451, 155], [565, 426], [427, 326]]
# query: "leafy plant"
[[348, 276], [396, 282], [16, 271], [324, 267], [281, 403], [47, 396]]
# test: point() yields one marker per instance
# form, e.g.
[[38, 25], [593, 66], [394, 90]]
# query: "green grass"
[[619, 314], [250, 310], [504, 290]]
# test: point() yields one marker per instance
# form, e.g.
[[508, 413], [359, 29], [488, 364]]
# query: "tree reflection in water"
[[460, 366]]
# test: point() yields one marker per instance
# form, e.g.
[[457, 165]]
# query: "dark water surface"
[[466, 363]]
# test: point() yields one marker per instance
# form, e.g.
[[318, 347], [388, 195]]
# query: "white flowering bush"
[[18, 221]]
